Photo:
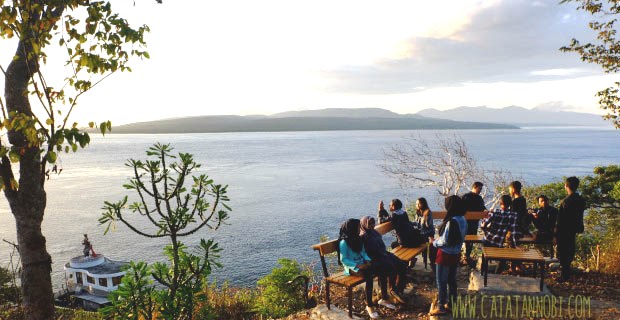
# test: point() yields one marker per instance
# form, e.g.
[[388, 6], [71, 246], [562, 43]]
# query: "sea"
[[286, 189]]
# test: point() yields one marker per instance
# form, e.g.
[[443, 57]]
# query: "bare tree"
[[444, 163]]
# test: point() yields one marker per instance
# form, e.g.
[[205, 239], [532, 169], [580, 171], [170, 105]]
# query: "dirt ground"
[[587, 296]]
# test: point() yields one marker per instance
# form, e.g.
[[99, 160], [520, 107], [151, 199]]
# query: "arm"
[[365, 255], [515, 231]]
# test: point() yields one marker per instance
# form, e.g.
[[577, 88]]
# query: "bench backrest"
[[470, 215], [384, 228], [327, 247]]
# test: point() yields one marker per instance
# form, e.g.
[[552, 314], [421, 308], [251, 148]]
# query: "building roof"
[[106, 266]]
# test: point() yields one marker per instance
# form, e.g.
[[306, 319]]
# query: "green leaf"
[[14, 156], [51, 157]]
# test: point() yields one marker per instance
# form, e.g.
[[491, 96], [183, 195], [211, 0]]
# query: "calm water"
[[286, 189]]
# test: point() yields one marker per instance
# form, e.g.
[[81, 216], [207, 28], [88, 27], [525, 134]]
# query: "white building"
[[92, 278]]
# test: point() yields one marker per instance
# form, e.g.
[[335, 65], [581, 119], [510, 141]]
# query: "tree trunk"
[[28, 201]]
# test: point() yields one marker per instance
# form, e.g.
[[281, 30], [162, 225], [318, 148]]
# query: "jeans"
[[446, 280], [369, 275]]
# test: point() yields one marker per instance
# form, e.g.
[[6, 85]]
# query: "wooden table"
[[513, 254], [477, 238]]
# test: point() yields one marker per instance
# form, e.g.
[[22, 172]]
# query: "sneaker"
[[386, 304], [372, 313], [397, 296]]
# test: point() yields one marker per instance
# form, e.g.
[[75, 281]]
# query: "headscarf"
[[454, 208], [350, 233], [365, 224]]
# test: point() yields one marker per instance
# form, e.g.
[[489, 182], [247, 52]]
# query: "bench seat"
[[407, 254], [345, 280]]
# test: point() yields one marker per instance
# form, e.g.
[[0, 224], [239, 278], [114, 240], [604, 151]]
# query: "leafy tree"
[[604, 52], [98, 42], [278, 296], [135, 297], [173, 212]]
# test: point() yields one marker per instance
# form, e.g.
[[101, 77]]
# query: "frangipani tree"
[[173, 210]]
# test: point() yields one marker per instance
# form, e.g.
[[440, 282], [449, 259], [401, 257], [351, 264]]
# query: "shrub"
[[227, 302], [8, 290], [278, 296]]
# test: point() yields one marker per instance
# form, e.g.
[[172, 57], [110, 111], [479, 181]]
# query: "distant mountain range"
[[517, 116], [367, 119]]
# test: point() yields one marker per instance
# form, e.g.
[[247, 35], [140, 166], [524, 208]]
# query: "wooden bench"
[[405, 254], [350, 281], [513, 254], [469, 215]]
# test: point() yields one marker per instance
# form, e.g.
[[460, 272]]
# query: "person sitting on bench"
[[356, 262], [424, 219], [383, 261], [498, 223], [502, 227], [406, 234]]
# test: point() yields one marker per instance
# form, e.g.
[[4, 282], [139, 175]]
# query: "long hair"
[[423, 206], [454, 208], [350, 233]]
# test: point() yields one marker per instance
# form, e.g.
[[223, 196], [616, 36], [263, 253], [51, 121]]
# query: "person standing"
[[520, 207], [87, 246], [451, 237], [569, 224], [473, 202], [544, 220]]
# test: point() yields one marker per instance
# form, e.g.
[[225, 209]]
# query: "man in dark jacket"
[[544, 219], [406, 234], [569, 223], [473, 202]]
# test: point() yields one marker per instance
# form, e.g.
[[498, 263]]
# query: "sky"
[[263, 57]]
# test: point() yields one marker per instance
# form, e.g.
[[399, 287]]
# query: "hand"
[[431, 239]]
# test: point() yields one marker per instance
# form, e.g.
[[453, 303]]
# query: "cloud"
[[555, 106], [510, 41]]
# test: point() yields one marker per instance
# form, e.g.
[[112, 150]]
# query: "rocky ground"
[[591, 295]]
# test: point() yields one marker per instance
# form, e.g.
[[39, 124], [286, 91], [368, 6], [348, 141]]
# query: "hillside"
[[517, 116], [297, 123]]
